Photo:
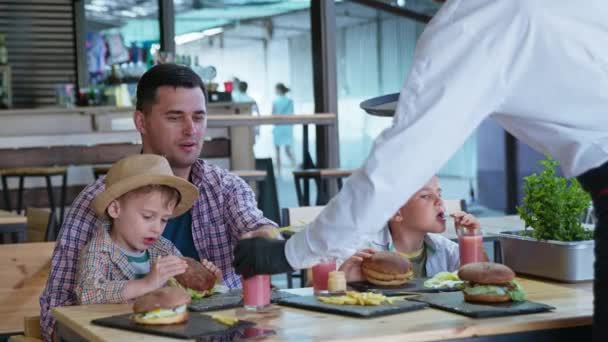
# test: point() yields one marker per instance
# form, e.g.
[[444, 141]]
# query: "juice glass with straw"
[[256, 292], [470, 245], [320, 274]]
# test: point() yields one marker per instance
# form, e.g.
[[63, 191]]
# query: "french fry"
[[357, 298], [225, 320]]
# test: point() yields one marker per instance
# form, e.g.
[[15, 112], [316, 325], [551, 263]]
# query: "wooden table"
[[12, 227], [24, 269], [251, 175], [573, 309]]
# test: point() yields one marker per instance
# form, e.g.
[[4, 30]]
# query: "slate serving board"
[[198, 325], [311, 303], [414, 285], [454, 302], [231, 299]]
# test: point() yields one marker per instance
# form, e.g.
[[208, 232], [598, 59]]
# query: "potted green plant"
[[555, 243]]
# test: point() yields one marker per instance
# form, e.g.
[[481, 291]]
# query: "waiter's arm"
[[461, 73], [458, 78]]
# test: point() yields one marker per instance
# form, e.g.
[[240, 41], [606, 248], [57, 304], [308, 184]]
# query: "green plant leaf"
[[553, 206]]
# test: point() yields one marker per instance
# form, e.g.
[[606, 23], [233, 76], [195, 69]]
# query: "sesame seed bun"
[[175, 319], [164, 298], [487, 298]]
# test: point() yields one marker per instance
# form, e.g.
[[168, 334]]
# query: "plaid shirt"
[[103, 269], [226, 209]]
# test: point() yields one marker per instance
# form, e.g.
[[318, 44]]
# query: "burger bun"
[[387, 269], [197, 277], [176, 319]]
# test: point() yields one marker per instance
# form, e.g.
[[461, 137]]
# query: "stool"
[[321, 178], [46, 173], [100, 170]]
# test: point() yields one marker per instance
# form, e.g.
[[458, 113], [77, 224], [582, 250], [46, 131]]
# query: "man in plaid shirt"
[[171, 117]]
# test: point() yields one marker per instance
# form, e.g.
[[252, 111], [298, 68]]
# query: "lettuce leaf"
[[517, 294], [161, 313], [444, 280], [195, 295]]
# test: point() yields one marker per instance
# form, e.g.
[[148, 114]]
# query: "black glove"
[[260, 255]]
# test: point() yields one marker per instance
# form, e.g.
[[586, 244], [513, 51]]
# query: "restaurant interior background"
[[263, 43], [68, 73]]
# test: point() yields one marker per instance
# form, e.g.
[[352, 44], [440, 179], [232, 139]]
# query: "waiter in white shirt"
[[538, 67]]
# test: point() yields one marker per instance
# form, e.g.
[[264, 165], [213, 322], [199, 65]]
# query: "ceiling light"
[[193, 36]]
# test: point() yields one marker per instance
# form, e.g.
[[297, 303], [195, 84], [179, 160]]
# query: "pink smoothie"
[[471, 249], [256, 291], [320, 274]]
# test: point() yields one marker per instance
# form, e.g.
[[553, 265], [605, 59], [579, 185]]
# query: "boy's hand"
[[213, 269], [352, 266], [462, 219], [164, 268]]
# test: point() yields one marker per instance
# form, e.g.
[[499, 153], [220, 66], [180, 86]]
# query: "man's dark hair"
[[165, 75], [243, 86]]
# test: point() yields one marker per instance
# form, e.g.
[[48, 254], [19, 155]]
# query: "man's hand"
[[352, 266], [260, 255], [164, 268]]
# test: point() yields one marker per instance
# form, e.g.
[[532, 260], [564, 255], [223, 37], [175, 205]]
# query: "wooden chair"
[[41, 225], [31, 331], [25, 269], [298, 216], [12, 227]]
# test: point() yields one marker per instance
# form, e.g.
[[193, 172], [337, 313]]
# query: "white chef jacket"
[[538, 67]]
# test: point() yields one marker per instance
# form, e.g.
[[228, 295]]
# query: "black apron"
[[595, 181]]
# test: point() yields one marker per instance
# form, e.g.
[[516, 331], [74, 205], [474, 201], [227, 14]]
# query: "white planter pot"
[[563, 261]]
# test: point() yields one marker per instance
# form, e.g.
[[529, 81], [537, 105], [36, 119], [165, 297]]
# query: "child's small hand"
[[462, 219], [213, 269], [163, 269], [352, 266]]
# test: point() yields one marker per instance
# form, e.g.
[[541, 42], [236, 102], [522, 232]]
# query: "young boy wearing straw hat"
[[128, 257]]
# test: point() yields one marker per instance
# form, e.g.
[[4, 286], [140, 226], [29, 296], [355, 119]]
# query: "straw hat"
[[141, 170]]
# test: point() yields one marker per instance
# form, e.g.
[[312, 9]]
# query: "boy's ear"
[[397, 217], [114, 209]]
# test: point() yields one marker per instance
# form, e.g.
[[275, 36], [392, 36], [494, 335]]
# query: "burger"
[[387, 269], [488, 282], [197, 280], [167, 305]]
